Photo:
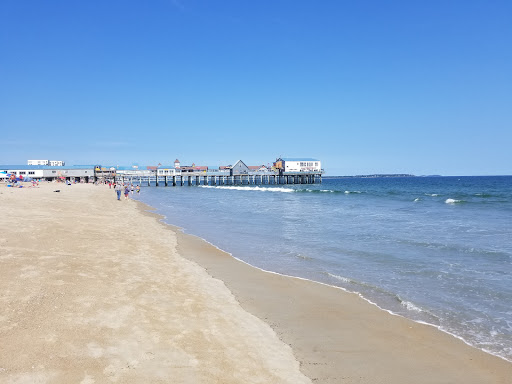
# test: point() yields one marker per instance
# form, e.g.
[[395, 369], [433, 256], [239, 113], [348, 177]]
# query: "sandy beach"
[[95, 290]]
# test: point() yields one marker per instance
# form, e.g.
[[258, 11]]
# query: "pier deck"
[[215, 180]]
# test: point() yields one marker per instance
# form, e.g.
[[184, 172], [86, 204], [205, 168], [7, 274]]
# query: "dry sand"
[[95, 290], [92, 291]]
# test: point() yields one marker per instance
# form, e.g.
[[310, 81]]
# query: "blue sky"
[[422, 87]]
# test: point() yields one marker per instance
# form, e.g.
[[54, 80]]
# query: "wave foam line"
[[410, 306], [340, 278], [259, 189]]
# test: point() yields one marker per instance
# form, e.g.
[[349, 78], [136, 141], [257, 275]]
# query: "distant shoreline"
[[373, 176], [391, 175]]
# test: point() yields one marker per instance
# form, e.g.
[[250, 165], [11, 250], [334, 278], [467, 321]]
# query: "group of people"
[[127, 188]]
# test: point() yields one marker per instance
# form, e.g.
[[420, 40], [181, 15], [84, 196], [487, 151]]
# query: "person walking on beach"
[[118, 188], [126, 192]]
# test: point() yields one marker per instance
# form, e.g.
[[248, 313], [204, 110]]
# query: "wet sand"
[[98, 290]]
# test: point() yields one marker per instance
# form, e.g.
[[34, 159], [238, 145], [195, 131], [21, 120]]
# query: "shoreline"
[[90, 295], [182, 231], [222, 264]]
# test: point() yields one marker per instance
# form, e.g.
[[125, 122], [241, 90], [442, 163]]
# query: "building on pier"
[[215, 170], [239, 169], [167, 171], [294, 165], [255, 169], [193, 168]]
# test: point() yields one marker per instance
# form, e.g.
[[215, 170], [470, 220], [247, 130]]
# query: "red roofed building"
[[193, 168]]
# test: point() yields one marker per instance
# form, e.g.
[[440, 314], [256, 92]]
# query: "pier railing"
[[197, 179]]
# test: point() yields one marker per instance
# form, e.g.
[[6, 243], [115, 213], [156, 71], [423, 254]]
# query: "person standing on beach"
[[118, 188], [138, 188], [126, 192]]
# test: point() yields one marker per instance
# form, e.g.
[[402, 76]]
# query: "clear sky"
[[412, 86]]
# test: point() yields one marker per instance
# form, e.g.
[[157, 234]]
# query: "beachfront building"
[[51, 163], [78, 173], [38, 162], [103, 174], [298, 165]]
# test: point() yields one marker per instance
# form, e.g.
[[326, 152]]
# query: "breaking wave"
[[453, 201], [410, 306], [241, 188], [340, 278]]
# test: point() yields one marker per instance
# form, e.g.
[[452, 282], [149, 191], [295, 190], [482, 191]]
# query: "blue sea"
[[433, 249]]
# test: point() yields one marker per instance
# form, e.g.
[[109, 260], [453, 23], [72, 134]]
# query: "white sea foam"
[[452, 201], [410, 306], [259, 189], [432, 194], [349, 192], [303, 257], [340, 278], [417, 199]]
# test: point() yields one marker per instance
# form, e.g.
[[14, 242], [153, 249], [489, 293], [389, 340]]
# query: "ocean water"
[[434, 249]]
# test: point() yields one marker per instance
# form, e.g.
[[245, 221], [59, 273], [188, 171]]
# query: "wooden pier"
[[219, 180]]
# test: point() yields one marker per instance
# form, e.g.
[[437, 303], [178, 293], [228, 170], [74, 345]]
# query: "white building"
[[51, 163], [38, 162], [46, 172], [167, 171], [298, 165]]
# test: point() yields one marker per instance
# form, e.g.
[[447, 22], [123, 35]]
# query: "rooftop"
[[298, 159], [28, 167]]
